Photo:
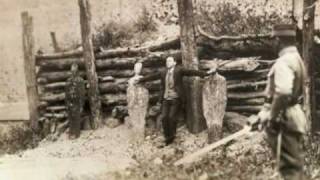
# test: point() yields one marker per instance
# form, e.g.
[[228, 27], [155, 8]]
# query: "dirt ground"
[[115, 153]]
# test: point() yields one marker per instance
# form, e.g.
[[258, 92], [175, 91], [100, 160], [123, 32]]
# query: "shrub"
[[115, 34], [233, 19]]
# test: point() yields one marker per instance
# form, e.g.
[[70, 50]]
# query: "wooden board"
[[14, 111], [214, 99], [196, 155]]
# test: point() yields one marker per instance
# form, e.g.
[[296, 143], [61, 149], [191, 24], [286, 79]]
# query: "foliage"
[[117, 34], [233, 19], [17, 138], [312, 156]]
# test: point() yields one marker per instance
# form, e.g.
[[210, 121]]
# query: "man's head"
[[170, 62], [138, 68], [285, 35]]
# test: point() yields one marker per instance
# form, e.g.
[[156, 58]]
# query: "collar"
[[289, 49]]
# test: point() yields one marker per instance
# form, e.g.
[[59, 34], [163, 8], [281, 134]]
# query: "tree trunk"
[[194, 116], [307, 48], [89, 60], [30, 68]]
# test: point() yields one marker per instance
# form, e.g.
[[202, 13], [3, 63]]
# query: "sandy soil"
[[93, 154], [114, 154], [109, 153]]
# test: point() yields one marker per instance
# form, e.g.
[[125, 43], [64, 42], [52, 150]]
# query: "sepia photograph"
[[159, 90]]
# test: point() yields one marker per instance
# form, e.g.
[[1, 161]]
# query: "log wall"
[[246, 77]]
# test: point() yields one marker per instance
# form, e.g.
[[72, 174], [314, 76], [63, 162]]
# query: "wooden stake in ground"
[[214, 100], [54, 42], [30, 68], [194, 116], [88, 56], [307, 54]]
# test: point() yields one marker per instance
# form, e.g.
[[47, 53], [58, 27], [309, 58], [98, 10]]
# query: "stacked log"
[[246, 77]]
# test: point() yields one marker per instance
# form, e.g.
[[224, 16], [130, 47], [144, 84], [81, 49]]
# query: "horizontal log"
[[55, 115], [53, 97], [247, 85], [60, 55], [155, 59], [241, 37], [55, 86], [152, 59], [57, 76], [245, 95], [106, 79], [128, 73], [121, 99], [173, 43], [63, 64], [247, 109], [42, 104], [112, 88], [55, 108], [256, 75], [42, 81], [246, 102], [130, 52]]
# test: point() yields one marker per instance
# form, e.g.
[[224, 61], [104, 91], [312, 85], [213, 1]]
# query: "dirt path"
[[89, 157]]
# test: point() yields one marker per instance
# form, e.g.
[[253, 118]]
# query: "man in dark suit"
[[172, 94]]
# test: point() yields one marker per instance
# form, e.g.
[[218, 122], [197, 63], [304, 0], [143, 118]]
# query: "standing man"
[[172, 95], [75, 94], [282, 114]]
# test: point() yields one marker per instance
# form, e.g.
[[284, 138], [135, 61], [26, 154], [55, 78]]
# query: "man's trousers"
[[169, 116], [291, 156]]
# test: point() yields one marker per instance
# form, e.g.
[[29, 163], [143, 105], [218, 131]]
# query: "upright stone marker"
[[138, 100], [214, 99]]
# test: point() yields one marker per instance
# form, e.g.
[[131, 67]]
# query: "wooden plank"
[[89, 60], [194, 156], [30, 68], [14, 111]]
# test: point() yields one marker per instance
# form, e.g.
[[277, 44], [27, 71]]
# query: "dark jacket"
[[178, 74]]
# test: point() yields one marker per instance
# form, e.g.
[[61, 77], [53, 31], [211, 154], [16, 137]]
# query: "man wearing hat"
[[282, 114]]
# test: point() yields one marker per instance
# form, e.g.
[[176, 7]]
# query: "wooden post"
[[194, 114], [307, 53], [30, 68], [54, 42], [89, 61]]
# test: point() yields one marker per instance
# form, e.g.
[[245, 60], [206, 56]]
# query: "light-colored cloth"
[[286, 79], [170, 92]]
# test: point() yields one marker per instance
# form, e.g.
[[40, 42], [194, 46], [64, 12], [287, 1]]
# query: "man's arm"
[[150, 77], [283, 81], [190, 72]]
